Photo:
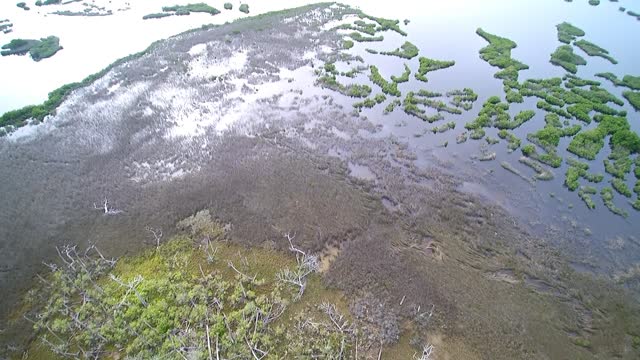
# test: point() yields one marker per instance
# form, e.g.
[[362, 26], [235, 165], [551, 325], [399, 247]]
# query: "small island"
[[182, 10], [6, 26], [566, 58], [37, 49], [23, 6]]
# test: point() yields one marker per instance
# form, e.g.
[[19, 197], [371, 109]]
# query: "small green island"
[[37, 49], [594, 50], [182, 10], [498, 54], [405, 51], [6, 26], [567, 59], [568, 33]]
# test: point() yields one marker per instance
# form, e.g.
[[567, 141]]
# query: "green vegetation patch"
[[156, 16], [370, 102], [463, 98], [351, 90], [621, 187], [568, 33], [402, 78], [513, 142], [498, 54], [427, 65], [361, 26], [622, 163], [633, 98], [244, 8], [585, 193], [37, 49], [566, 58], [48, 2], [594, 50], [444, 127], [632, 82], [46, 48], [18, 47], [587, 144], [493, 111], [189, 8], [191, 300], [347, 44], [514, 97], [384, 24], [405, 51], [410, 106], [392, 106], [388, 87], [550, 158], [228, 6], [607, 197], [361, 38], [519, 119], [577, 170]]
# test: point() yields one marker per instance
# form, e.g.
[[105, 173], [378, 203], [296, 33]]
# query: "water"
[[442, 30]]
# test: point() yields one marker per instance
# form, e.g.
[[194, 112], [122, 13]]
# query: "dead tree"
[[427, 351], [105, 207], [157, 235], [306, 264]]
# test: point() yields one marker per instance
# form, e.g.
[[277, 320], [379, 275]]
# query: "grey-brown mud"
[[225, 119]]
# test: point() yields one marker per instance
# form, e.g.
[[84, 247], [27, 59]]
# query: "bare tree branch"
[[105, 207]]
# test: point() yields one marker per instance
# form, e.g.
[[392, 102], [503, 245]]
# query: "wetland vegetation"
[[567, 33], [498, 54], [199, 296], [594, 50], [566, 58], [194, 296], [427, 65], [37, 49], [405, 51]]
